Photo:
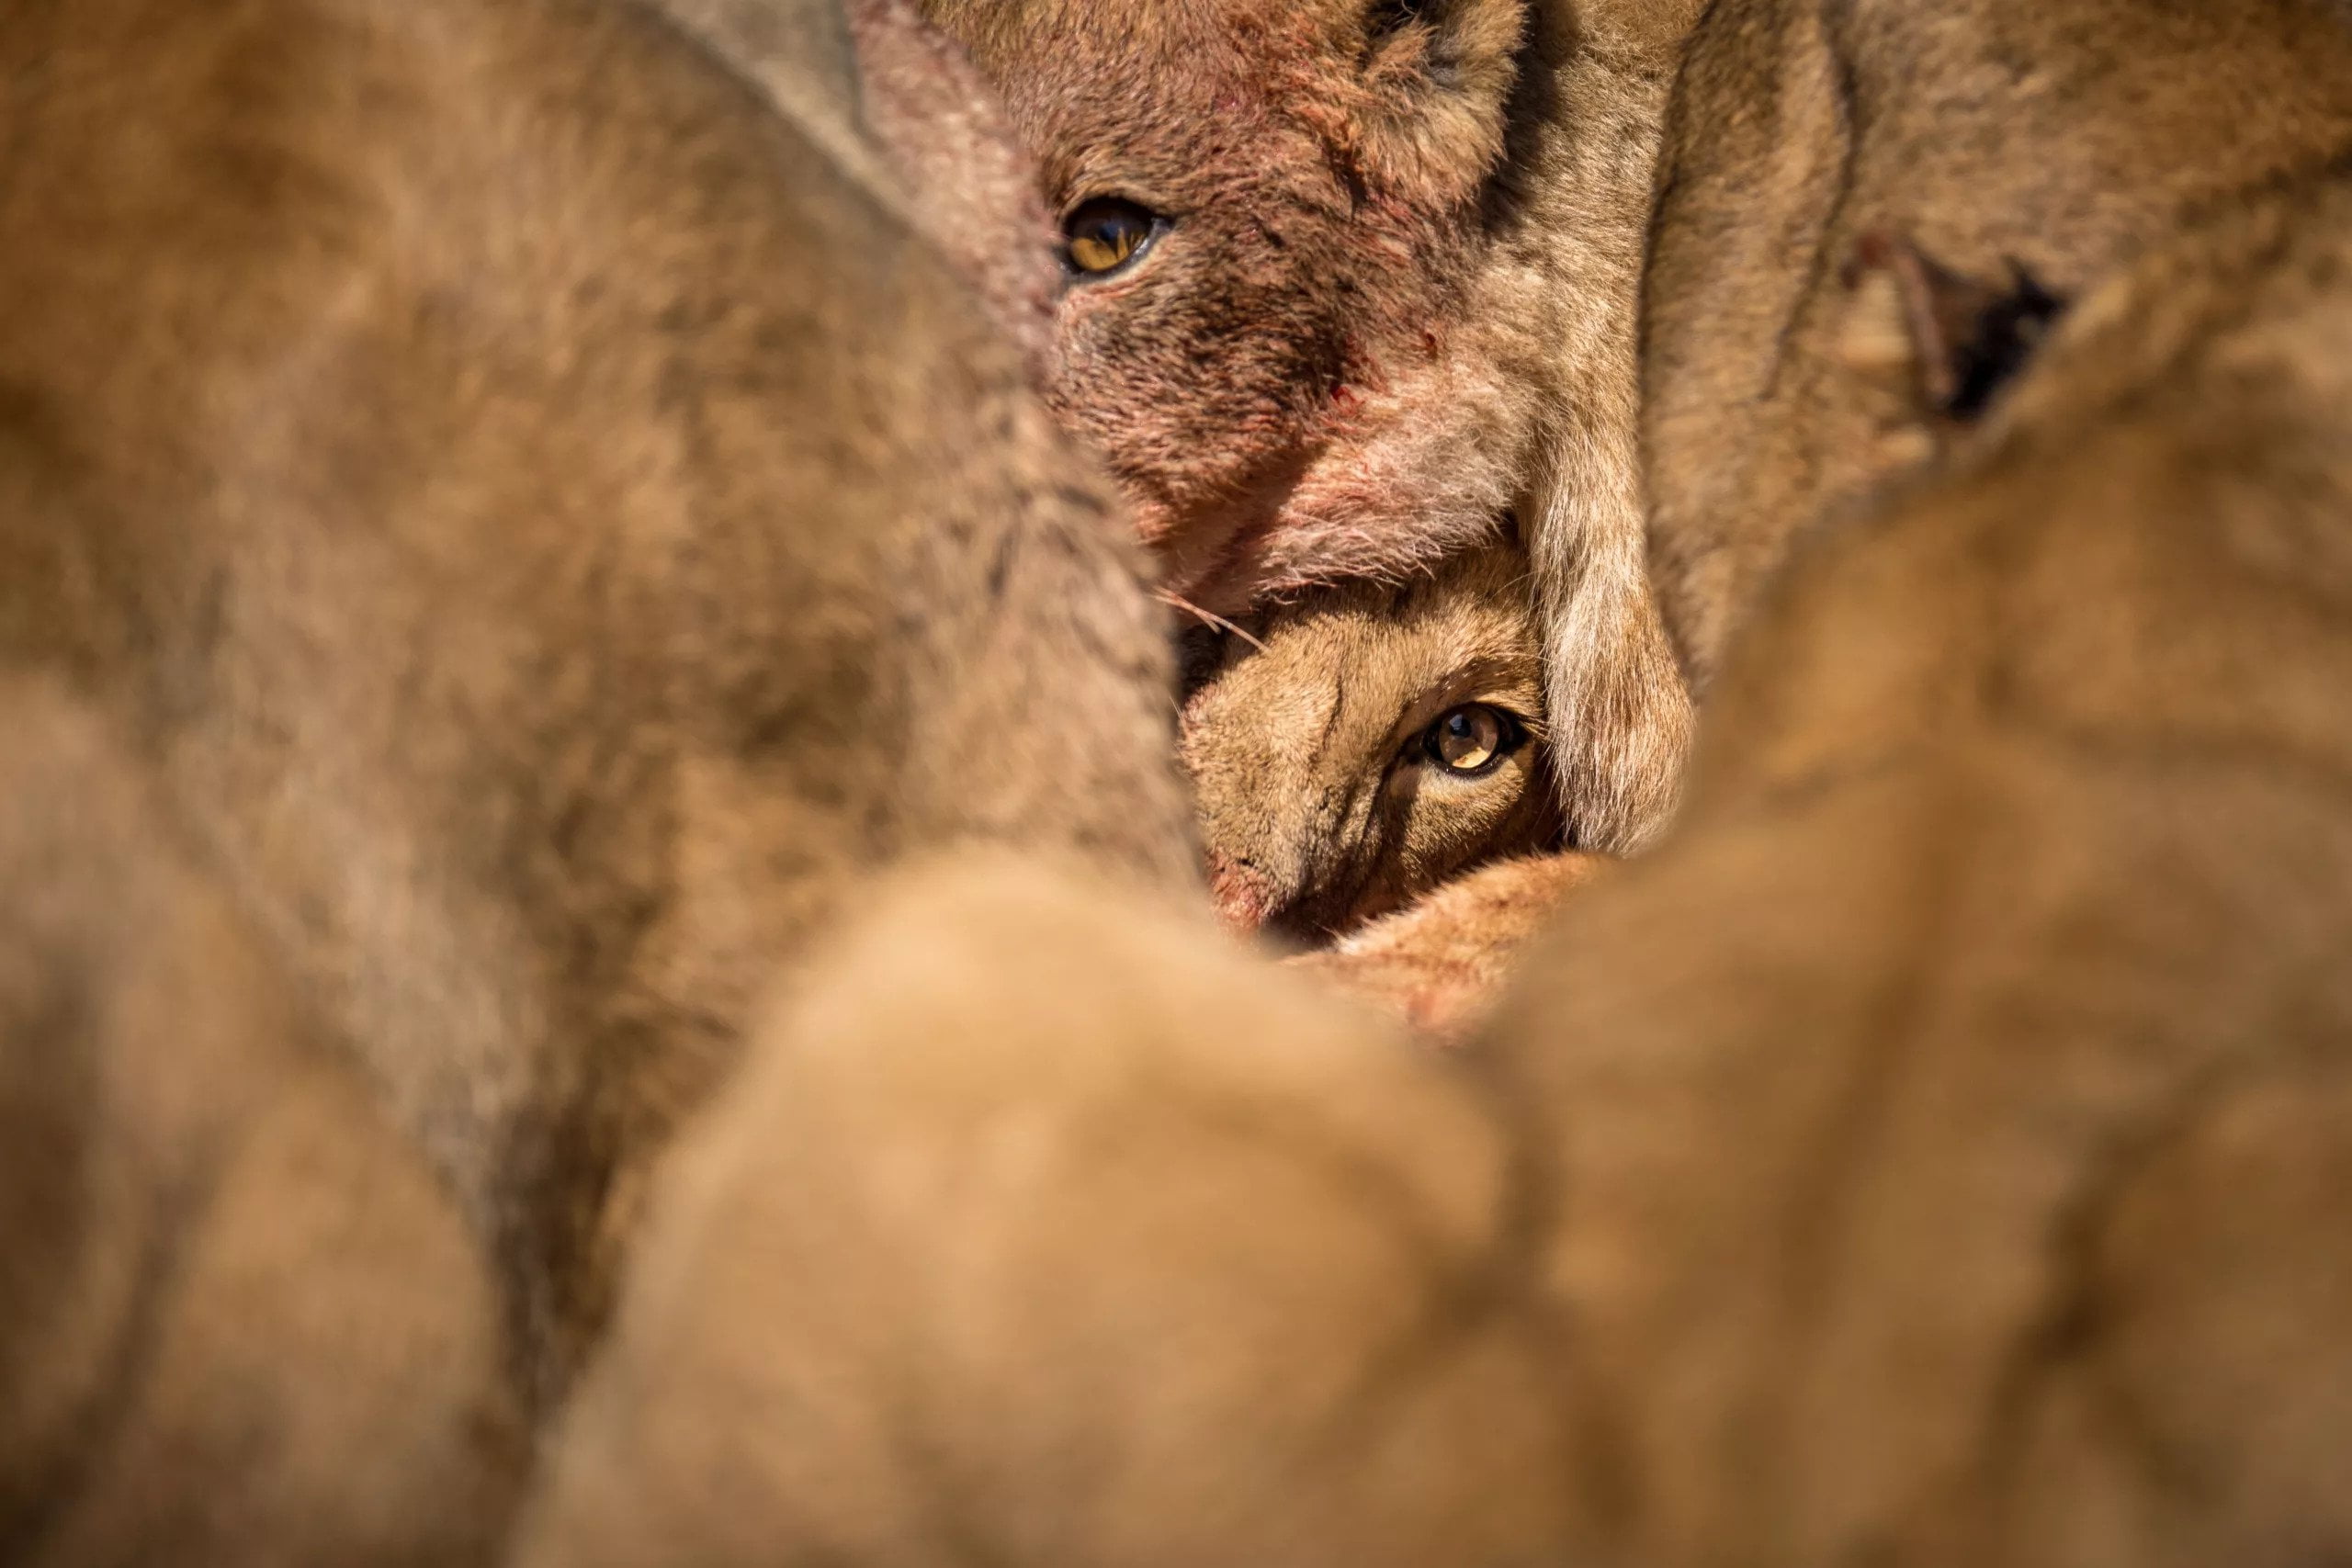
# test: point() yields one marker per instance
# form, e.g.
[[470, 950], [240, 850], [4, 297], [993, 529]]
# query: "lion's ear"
[[1950, 341], [1437, 79]]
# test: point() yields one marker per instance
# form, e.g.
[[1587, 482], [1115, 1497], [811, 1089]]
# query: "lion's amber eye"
[[1472, 740], [1100, 236]]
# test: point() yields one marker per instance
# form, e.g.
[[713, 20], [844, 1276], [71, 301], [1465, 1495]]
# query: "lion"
[[553, 529], [1106, 1243], [1363, 748], [1993, 159], [240, 1322], [893, 97], [1987, 1171], [1998, 139], [1355, 749], [947, 143], [1932, 1155], [1349, 287]]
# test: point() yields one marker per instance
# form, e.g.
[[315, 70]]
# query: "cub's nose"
[[1244, 895]]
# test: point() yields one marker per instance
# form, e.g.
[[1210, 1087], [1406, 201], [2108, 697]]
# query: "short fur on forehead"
[[1409, 94]]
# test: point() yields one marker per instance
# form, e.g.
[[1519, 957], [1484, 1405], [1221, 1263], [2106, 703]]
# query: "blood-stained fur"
[[1352, 282], [240, 1323], [1932, 1157], [553, 529]]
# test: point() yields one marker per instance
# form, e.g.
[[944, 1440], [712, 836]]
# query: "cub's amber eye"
[[1472, 740], [1104, 235]]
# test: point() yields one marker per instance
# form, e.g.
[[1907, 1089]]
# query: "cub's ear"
[[1436, 80], [1946, 343], [1654, 30]]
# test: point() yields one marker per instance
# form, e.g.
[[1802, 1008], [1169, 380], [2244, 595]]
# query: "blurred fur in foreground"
[[1930, 1158], [2060, 138], [240, 1323], [553, 528]]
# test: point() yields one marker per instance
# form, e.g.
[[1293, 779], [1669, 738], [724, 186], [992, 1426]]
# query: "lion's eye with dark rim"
[[1472, 741], [1107, 235]]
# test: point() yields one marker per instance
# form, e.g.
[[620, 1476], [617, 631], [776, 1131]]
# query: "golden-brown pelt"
[[1947, 1125], [1995, 137], [240, 1322], [893, 97], [552, 529], [1106, 1243], [1932, 1157]]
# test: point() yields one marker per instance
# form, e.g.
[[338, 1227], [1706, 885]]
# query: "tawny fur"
[[1947, 1123], [553, 528], [1320, 806], [2062, 137], [897, 99], [1933, 1157], [1393, 307], [1106, 1243], [240, 1323], [1444, 965], [1990, 135], [971, 186]]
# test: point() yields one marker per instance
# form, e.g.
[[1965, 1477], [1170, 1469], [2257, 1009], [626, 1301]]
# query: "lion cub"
[[1358, 746], [1934, 1156]]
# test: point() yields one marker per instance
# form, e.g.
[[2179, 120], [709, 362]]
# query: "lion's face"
[[1266, 219], [1352, 752]]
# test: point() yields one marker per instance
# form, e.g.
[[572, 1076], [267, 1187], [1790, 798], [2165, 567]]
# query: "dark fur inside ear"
[[1201, 649], [1967, 337], [1999, 342], [1394, 22], [1437, 76]]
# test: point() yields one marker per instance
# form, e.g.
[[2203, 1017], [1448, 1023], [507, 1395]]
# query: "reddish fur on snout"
[[1242, 896]]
